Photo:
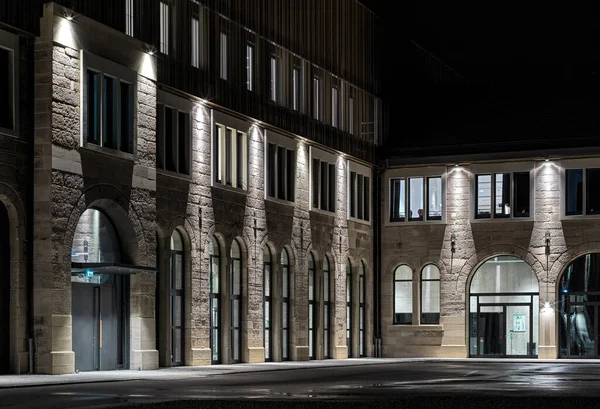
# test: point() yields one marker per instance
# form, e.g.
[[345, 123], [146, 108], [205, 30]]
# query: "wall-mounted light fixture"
[[547, 242], [453, 242]]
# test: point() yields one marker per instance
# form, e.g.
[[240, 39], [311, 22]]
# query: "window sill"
[[503, 220], [580, 217], [230, 188], [323, 212], [280, 201], [359, 221], [109, 152], [176, 175], [418, 327], [9, 132], [415, 223]]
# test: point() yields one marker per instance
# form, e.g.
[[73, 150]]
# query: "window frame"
[[121, 74], [129, 17], [219, 163], [223, 55], [165, 24], [289, 144], [335, 106], [179, 104], [421, 281], [316, 100], [195, 41], [365, 172], [511, 168], [577, 164], [10, 43], [330, 160], [250, 62], [296, 87], [412, 294], [415, 173], [275, 79]]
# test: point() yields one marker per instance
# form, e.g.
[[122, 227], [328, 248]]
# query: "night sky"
[[533, 74]]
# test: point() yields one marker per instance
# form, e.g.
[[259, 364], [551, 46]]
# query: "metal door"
[[108, 323], [85, 326]]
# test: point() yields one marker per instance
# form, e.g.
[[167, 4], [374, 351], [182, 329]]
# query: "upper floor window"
[[359, 194], [173, 140], [275, 80], [250, 67], [129, 17], [582, 191], [334, 107], [281, 174], [494, 197], [230, 157], [416, 199], [7, 90], [403, 295], [108, 104], [351, 115], [164, 27], [223, 56], [316, 98], [195, 43], [296, 89], [323, 176]]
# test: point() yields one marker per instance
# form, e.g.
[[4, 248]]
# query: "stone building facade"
[[156, 219]]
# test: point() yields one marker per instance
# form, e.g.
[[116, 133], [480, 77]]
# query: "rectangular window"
[[296, 89], [230, 157], [574, 192], [273, 79], [129, 17], [281, 172], [195, 33], [397, 200], [316, 97], [173, 140], [323, 185], [593, 191], [223, 56], [126, 117], [434, 198], [109, 114], [249, 67], [359, 196], [483, 200], [93, 107], [521, 194], [351, 116], [415, 199], [334, 107], [502, 195], [164, 28]]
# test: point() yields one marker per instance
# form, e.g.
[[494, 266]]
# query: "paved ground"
[[348, 384]]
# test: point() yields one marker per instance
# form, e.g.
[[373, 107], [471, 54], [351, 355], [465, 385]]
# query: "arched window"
[[267, 301], [578, 308], [349, 307], [285, 304], [326, 309], [215, 300], [361, 308], [430, 295], [312, 308], [176, 280], [236, 302], [4, 289], [403, 295]]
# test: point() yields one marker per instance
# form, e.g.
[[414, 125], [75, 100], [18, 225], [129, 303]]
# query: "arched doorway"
[[579, 308], [177, 280], [4, 290], [349, 307], [100, 302], [503, 309]]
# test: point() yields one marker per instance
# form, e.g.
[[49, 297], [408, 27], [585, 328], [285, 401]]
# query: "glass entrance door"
[[582, 329], [503, 329]]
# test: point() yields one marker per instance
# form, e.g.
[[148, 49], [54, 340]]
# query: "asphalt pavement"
[[348, 384]]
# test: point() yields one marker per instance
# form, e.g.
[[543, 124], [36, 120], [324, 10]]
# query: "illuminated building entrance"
[[503, 309]]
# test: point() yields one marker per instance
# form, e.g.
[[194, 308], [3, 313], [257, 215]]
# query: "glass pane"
[[237, 277], [434, 198], [484, 196], [415, 194], [574, 191], [430, 272], [518, 330], [177, 345], [504, 274], [267, 345], [367, 206], [359, 196], [171, 139], [502, 195], [398, 202], [593, 191], [235, 345], [310, 315], [310, 344], [267, 280], [316, 177], [522, 194], [324, 187], [177, 314], [311, 285], [430, 302], [583, 336], [178, 271], [331, 185], [176, 241], [284, 282], [284, 315], [215, 312], [284, 344], [402, 300], [215, 345], [291, 175], [95, 239], [362, 290], [267, 314], [281, 170], [325, 286], [93, 108], [273, 170], [214, 273], [326, 345], [109, 113], [126, 118], [403, 273], [182, 147], [6, 106], [326, 316]]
